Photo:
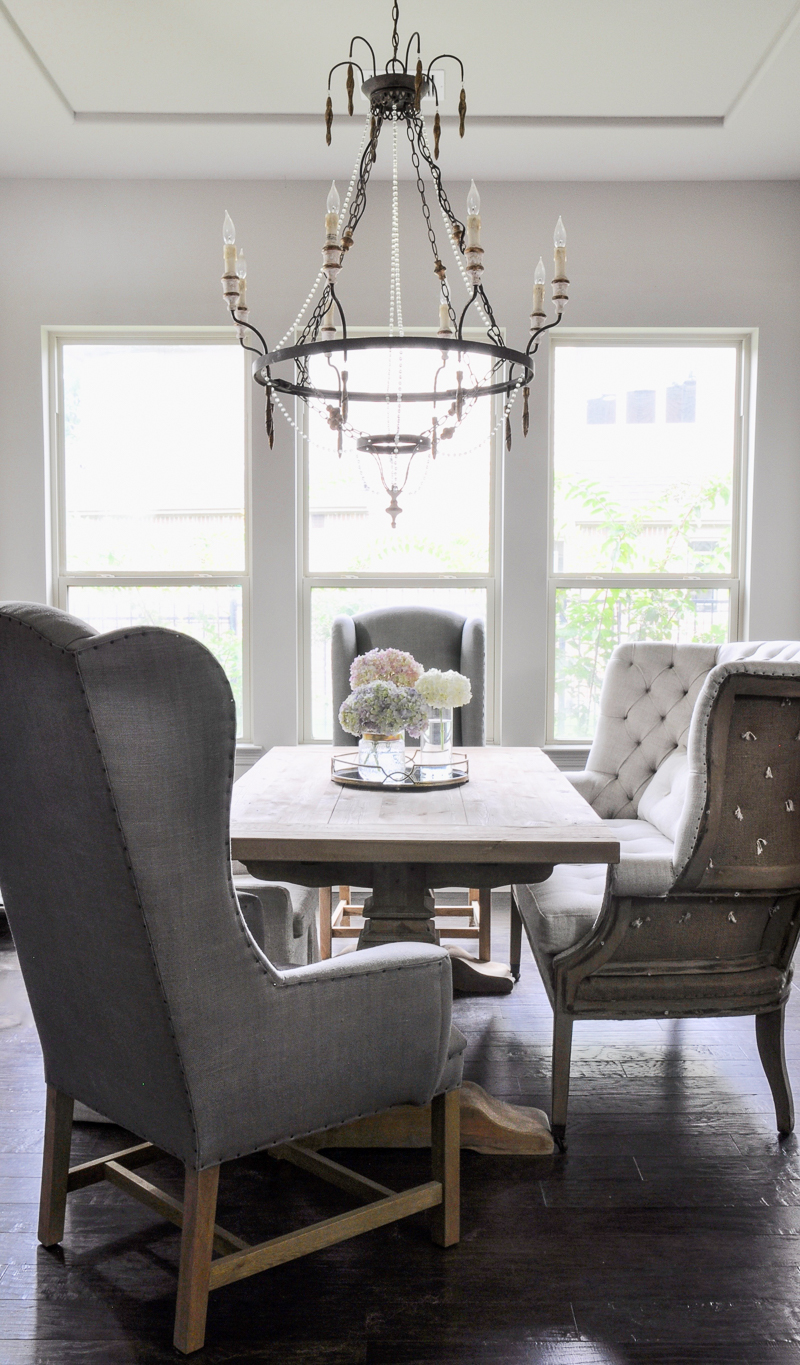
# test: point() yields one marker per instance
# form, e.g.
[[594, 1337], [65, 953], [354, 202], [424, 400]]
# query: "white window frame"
[[746, 342], [61, 580], [491, 581]]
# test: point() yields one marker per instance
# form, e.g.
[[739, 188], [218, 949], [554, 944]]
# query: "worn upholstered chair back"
[[436, 637], [116, 764], [646, 705], [740, 826]]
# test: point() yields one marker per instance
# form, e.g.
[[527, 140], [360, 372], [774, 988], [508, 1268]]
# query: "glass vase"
[[382, 758], [436, 745]]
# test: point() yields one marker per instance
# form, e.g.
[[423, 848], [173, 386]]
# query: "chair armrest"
[[252, 912], [587, 783]]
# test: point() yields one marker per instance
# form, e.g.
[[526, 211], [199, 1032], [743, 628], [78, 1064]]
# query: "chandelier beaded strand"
[[427, 383]]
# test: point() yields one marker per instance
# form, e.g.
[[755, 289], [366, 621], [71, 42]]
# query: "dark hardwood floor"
[[669, 1232]]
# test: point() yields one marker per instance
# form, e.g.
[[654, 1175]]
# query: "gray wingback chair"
[[154, 1004], [437, 638], [696, 767]]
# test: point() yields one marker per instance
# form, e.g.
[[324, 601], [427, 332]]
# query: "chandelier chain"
[[410, 132], [289, 334], [395, 34], [395, 293], [365, 170]]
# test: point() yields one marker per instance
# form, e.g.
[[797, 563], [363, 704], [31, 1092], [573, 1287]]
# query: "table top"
[[516, 808]]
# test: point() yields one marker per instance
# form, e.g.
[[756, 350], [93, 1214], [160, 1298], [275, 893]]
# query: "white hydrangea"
[[444, 689]]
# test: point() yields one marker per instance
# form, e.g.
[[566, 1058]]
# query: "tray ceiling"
[[584, 89]]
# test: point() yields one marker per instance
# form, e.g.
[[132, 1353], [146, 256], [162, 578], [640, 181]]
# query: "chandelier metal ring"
[[447, 371], [501, 355]]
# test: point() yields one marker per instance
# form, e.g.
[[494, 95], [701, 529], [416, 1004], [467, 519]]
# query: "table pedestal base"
[[488, 1125], [401, 909], [473, 977]]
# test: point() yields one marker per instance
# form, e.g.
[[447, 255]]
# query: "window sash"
[[733, 582], [61, 579], [490, 581]]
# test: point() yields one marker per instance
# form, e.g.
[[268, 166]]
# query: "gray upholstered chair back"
[[116, 760], [153, 1005], [437, 638], [646, 704]]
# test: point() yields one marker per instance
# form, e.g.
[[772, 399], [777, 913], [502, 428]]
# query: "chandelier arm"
[[340, 311], [436, 176], [347, 62], [252, 349], [414, 35], [443, 57], [359, 38], [239, 323], [535, 338], [467, 307]]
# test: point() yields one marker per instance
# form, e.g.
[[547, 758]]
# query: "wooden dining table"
[[515, 818]]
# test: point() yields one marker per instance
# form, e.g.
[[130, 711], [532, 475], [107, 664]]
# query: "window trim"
[[491, 581], [59, 578], [745, 340]]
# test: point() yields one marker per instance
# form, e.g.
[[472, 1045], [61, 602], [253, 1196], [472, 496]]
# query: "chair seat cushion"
[[450, 1078], [558, 913]]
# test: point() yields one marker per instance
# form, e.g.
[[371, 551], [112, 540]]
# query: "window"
[[442, 553], [150, 486], [647, 476]]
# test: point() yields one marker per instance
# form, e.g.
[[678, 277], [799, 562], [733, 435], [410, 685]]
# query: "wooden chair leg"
[[446, 1166], [485, 925], [562, 1050], [55, 1166], [197, 1239], [325, 912], [769, 1037], [515, 939], [344, 896]]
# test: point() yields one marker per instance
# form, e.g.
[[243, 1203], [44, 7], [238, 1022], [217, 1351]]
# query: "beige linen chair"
[[154, 1004], [696, 767]]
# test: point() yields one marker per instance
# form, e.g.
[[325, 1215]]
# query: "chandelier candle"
[[427, 382], [539, 278], [241, 271], [560, 281], [230, 279]]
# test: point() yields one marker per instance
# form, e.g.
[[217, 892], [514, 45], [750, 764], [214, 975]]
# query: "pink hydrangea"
[[385, 665]]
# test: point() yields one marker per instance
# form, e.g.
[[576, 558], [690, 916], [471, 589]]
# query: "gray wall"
[[657, 255]]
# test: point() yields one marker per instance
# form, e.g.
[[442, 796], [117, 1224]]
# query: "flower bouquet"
[[383, 704], [441, 692]]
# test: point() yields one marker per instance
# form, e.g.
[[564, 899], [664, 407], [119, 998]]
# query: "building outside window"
[[150, 487], [442, 553], [648, 468]]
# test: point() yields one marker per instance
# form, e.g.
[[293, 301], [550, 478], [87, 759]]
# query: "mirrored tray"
[[344, 771]]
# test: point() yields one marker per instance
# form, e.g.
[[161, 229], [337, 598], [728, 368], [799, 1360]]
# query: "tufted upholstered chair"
[[154, 1004], [696, 767], [437, 638]]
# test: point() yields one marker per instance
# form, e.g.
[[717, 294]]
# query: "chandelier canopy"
[[426, 383]]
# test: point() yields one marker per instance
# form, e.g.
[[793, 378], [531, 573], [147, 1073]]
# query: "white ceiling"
[[564, 89]]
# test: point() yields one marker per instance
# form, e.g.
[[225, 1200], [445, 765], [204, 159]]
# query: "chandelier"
[[395, 396]]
